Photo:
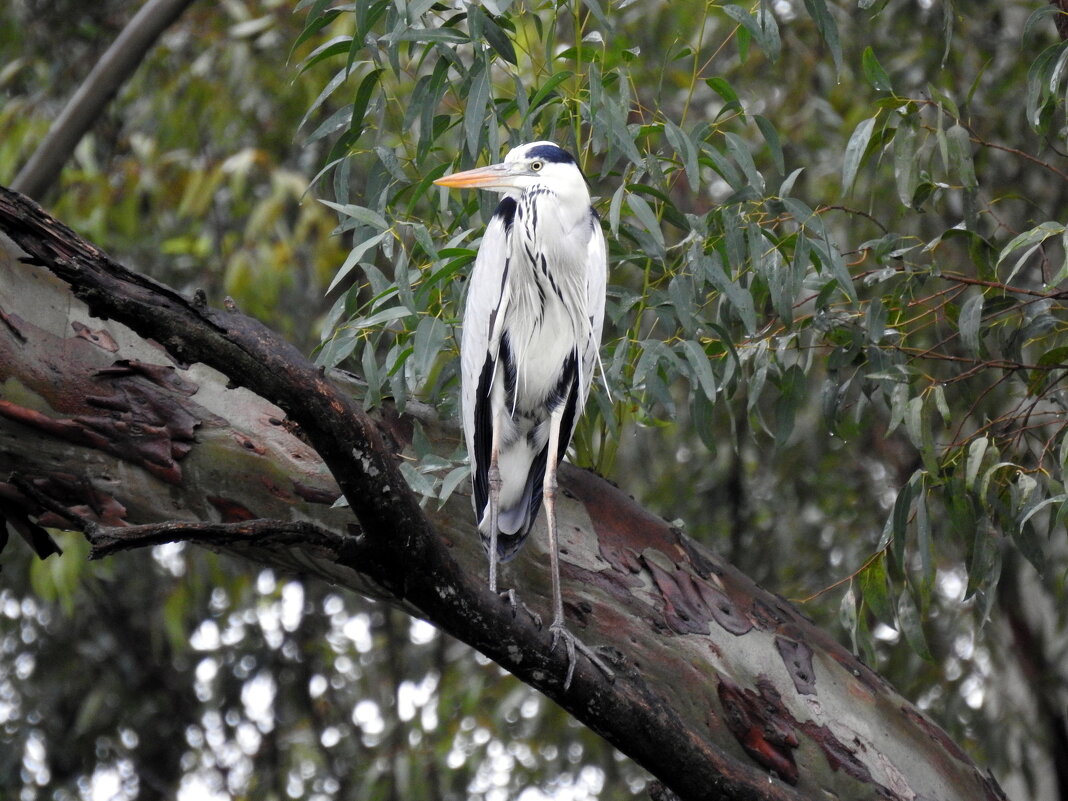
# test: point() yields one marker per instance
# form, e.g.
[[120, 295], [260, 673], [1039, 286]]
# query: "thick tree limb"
[[723, 690]]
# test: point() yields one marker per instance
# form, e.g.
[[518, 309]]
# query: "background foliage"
[[834, 348]]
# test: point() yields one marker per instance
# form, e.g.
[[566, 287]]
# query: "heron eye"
[[535, 165]]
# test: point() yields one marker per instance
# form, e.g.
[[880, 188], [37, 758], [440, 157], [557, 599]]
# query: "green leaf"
[[722, 88], [359, 213], [976, 452], [971, 315], [918, 426], [647, 217], [874, 585], [427, 344], [475, 108], [1031, 240], [381, 317], [874, 71], [771, 136], [908, 618], [492, 32], [335, 46], [988, 476], [419, 483], [739, 150], [828, 29], [792, 386], [925, 547], [761, 26], [821, 244], [548, 88], [702, 367], [1043, 79], [959, 154], [739, 297], [899, 521], [1038, 18], [357, 253], [944, 101], [847, 612], [703, 414], [426, 35], [364, 94], [686, 151], [451, 481], [938, 392], [854, 152]]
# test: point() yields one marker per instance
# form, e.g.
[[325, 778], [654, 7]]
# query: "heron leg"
[[494, 480], [559, 626]]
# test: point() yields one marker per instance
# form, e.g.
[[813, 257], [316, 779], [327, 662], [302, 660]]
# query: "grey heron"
[[531, 334]]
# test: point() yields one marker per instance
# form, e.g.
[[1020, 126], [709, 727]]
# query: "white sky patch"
[[106, 785], [198, 788], [420, 632], [258, 695], [317, 685], [248, 738], [358, 629], [266, 583], [206, 637], [951, 584], [206, 670], [171, 557], [973, 691], [35, 759], [368, 717], [413, 696], [587, 785], [292, 605], [24, 665], [885, 633], [330, 737]]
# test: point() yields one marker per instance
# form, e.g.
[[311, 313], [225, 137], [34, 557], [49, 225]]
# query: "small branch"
[[964, 279], [855, 212], [111, 72], [1017, 152], [108, 540]]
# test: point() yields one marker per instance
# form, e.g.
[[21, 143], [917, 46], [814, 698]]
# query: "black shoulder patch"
[[480, 459], [506, 211], [551, 153]]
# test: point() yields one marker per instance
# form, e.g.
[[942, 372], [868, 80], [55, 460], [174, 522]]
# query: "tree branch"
[[110, 540], [723, 690], [111, 72]]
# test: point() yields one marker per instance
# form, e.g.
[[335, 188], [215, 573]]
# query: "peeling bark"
[[722, 689]]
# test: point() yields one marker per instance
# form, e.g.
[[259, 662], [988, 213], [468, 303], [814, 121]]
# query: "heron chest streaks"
[[545, 283]]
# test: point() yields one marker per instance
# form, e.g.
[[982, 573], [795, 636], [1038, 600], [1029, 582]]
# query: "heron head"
[[526, 166]]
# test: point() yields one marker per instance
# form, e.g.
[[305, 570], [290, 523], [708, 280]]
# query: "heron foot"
[[572, 643], [516, 604]]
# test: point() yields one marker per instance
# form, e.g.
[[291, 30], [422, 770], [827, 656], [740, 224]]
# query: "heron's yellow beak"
[[494, 176]]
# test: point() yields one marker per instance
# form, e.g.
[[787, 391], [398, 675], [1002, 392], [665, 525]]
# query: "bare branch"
[[111, 72]]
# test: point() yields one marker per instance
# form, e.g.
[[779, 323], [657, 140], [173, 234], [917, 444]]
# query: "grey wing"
[[596, 284], [487, 299]]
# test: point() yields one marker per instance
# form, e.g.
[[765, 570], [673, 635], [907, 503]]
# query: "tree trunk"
[[114, 417]]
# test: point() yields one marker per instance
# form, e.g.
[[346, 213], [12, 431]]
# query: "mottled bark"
[[722, 689]]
